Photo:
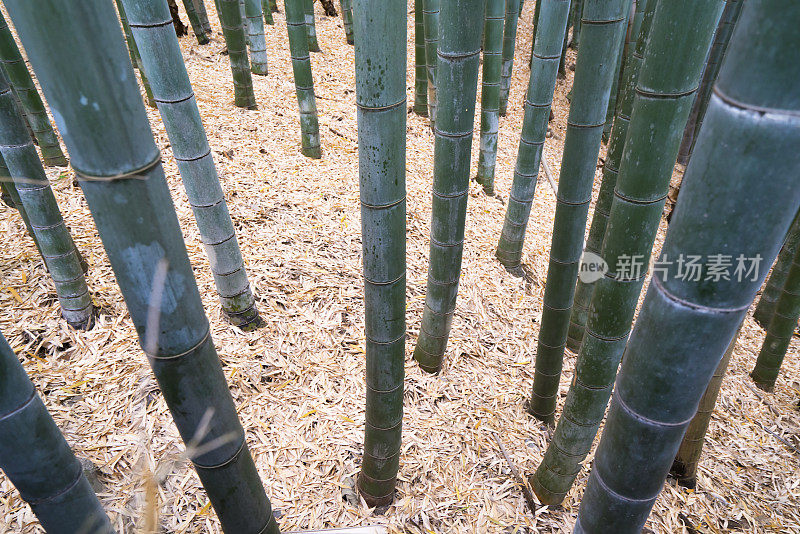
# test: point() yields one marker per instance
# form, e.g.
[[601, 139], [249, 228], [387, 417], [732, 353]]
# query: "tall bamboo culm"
[[781, 328], [670, 74], [615, 87], [133, 52], [684, 466], [347, 21], [32, 106], [577, 14], [743, 161], [266, 9], [380, 54], [230, 18], [509, 44], [490, 92], [200, 6], [12, 200], [604, 24], [37, 459], [303, 81], [602, 207], [723, 35], [772, 289], [430, 19], [36, 197], [172, 90], [549, 39], [194, 19], [311, 25], [119, 170], [420, 67], [256, 41], [461, 22]]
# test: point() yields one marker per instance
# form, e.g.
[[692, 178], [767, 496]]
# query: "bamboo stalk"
[[544, 71], [37, 459], [266, 9], [13, 65], [723, 35], [774, 286], [200, 6], [380, 53], [684, 467], [133, 51], [687, 322], [254, 19], [172, 90], [602, 207], [494, 20], [430, 19], [194, 19], [460, 27], [665, 91], [604, 24], [509, 44], [230, 18], [577, 14], [119, 170], [303, 81], [12, 200], [781, 328], [420, 65], [347, 21], [40, 207], [311, 25]]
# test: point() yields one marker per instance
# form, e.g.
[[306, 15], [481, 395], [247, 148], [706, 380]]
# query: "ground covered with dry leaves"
[[298, 381]]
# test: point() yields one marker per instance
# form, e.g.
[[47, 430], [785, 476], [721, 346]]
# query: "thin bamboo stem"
[[420, 65], [430, 19], [303, 81], [549, 39], [256, 42], [347, 22], [774, 286], [460, 27], [13, 65], [230, 18], [197, 24], [200, 6], [509, 44], [266, 9], [490, 92], [136, 59], [380, 53], [311, 25]]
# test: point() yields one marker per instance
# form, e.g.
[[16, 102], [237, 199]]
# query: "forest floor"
[[299, 380]]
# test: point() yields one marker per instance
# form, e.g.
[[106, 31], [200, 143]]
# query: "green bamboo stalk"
[[347, 21], [781, 328], [490, 92], [133, 51], [273, 6], [267, 10], [162, 59], [311, 25], [562, 62], [303, 81], [420, 65], [684, 466], [612, 97], [256, 41], [230, 18], [12, 200], [461, 22], [549, 39], [119, 170], [509, 43], [37, 459], [670, 74], [380, 53], [577, 14], [604, 24], [744, 161], [602, 208], [430, 19], [56, 245], [723, 35], [536, 10], [200, 6], [13, 65], [774, 286], [194, 19]]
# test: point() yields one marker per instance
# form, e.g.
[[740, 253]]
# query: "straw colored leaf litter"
[[298, 381]]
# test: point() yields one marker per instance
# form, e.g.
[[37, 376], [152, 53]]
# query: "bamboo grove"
[[710, 85]]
